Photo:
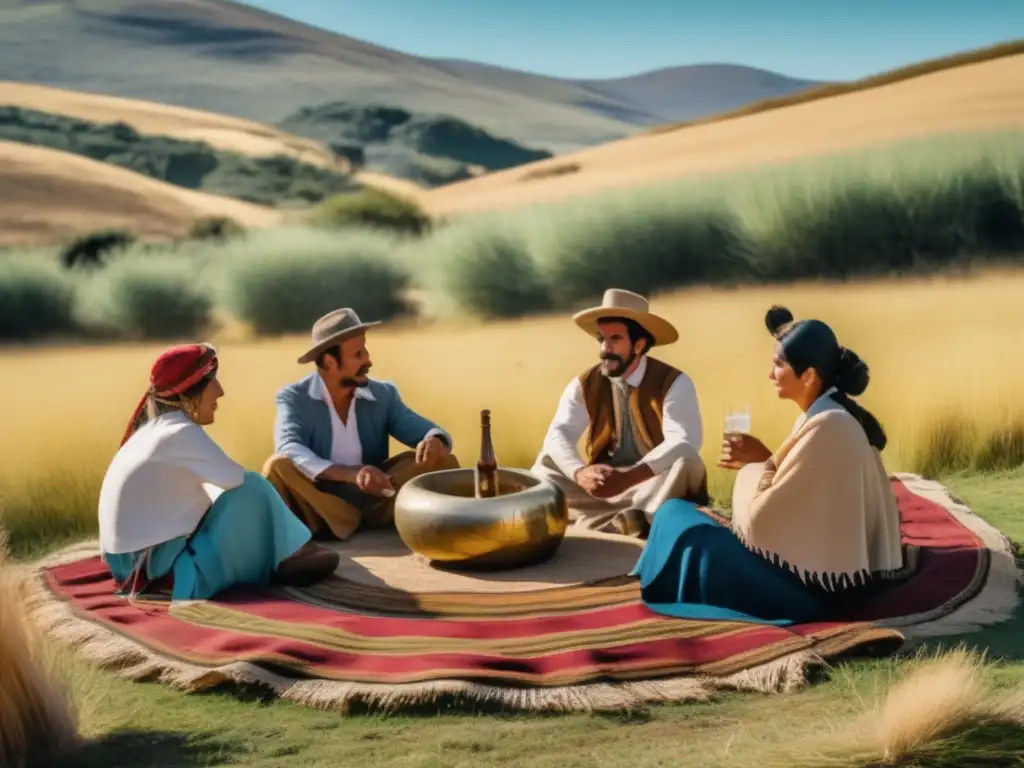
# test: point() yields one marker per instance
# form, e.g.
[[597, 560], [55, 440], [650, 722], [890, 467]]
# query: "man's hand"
[[740, 450], [621, 480], [431, 450], [373, 481], [591, 478]]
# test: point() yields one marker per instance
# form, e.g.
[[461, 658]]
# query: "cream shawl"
[[822, 505]]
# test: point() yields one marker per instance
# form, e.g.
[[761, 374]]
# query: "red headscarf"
[[178, 368]]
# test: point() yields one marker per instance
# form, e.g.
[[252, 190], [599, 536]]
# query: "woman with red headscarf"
[[177, 513]]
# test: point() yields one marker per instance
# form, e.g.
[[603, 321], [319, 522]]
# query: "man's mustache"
[[610, 356]]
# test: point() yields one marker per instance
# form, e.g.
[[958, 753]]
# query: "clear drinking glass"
[[737, 423]]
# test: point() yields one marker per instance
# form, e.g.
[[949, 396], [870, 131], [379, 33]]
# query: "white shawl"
[[823, 505]]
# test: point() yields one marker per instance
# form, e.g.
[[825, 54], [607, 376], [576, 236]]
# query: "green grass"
[[283, 284], [371, 208], [147, 724]]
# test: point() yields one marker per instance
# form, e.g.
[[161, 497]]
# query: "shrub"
[[877, 214], [916, 206], [36, 299], [282, 281], [148, 297], [488, 272], [215, 228], [371, 208], [641, 243], [89, 250]]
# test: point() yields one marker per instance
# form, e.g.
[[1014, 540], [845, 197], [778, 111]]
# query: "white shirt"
[[346, 448], [160, 484], [681, 424]]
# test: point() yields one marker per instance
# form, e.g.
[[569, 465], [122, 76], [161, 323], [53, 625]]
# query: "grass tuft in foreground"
[[940, 714], [38, 723]]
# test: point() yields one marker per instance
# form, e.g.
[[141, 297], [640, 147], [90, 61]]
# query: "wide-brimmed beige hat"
[[333, 328], [621, 303]]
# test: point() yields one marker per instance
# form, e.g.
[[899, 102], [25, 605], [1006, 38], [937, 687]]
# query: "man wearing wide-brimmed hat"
[[640, 418], [332, 431]]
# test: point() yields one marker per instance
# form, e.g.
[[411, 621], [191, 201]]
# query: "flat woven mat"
[[571, 634]]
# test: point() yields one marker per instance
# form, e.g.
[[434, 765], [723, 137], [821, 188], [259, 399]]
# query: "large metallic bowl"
[[438, 516]]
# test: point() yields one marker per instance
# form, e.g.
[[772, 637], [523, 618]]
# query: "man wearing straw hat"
[[640, 418], [332, 432]]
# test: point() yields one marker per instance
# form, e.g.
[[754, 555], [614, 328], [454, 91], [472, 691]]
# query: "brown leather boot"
[[309, 564]]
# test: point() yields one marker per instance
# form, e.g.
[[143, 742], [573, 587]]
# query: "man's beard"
[[359, 380], [620, 365]]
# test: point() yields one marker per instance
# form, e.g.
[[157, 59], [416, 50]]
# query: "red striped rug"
[[568, 647]]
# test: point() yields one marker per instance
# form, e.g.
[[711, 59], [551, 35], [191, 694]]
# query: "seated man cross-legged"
[[331, 435], [641, 420]]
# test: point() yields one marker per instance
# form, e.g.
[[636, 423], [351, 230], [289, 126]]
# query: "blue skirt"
[[693, 567], [242, 538]]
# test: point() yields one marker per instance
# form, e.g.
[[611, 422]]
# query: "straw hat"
[[333, 328], [621, 303]]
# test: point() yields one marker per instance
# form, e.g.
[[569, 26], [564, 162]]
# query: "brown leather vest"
[[645, 404]]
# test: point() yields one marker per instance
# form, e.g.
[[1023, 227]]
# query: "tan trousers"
[[630, 513], [341, 508]]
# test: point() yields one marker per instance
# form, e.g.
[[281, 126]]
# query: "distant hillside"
[[428, 149], [984, 95], [688, 93], [659, 96], [235, 60], [48, 196], [272, 180]]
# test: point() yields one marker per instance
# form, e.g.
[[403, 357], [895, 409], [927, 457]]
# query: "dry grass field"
[[945, 382], [46, 194], [973, 97], [941, 351]]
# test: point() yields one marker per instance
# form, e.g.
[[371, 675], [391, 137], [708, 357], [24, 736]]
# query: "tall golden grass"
[[941, 712], [945, 357], [37, 718]]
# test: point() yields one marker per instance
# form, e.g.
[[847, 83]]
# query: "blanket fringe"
[[130, 660], [999, 598]]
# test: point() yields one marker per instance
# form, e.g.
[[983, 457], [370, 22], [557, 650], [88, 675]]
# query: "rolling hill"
[[47, 195], [972, 97], [235, 60]]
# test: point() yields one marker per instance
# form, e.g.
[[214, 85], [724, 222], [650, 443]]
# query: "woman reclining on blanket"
[[814, 524], [156, 520]]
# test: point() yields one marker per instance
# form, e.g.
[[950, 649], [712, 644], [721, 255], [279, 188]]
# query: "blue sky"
[[822, 39]]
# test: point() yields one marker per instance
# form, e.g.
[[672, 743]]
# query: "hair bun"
[[852, 375], [776, 317]]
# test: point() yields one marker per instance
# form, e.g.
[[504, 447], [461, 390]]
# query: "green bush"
[[215, 228], [487, 272], [282, 281], [642, 243], [371, 208], [91, 250], [882, 213], [915, 206], [36, 298], [148, 297]]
